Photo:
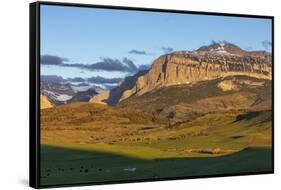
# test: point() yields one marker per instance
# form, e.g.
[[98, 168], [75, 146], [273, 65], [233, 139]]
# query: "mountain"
[[187, 67], [60, 93], [83, 96]]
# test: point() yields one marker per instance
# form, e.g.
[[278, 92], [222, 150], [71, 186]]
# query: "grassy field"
[[220, 133]]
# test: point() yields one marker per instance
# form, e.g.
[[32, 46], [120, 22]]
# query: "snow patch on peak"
[[220, 49], [63, 97]]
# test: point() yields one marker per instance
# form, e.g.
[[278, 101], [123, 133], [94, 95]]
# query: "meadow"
[[220, 143]]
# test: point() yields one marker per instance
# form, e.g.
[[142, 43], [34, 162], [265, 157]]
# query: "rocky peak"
[[223, 47], [229, 48]]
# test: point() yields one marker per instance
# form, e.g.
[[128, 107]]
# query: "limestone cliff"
[[206, 63]]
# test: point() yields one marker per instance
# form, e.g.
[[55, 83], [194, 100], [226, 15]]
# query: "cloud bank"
[[96, 80], [105, 64], [52, 60]]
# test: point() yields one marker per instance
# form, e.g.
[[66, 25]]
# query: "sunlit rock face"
[[206, 63], [45, 103]]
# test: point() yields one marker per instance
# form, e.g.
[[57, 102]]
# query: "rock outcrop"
[[45, 103], [100, 98], [227, 85]]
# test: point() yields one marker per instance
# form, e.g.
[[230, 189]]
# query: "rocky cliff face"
[[206, 63]]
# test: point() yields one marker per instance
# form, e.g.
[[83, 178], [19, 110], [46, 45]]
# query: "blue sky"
[[89, 35]]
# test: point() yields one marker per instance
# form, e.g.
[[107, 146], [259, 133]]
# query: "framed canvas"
[[126, 94]]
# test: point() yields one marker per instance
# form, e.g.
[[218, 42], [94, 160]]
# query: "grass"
[[211, 131]]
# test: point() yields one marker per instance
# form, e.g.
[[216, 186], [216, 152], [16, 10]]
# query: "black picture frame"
[[34, 89]]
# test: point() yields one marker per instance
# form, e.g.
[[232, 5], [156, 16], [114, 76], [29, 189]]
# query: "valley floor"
[[212, 144]]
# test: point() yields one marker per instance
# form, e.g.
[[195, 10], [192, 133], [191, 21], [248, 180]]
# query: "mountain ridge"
[[232, 49], [185, 67]]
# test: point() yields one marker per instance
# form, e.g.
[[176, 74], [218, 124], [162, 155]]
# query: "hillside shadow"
[[247, 116]]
